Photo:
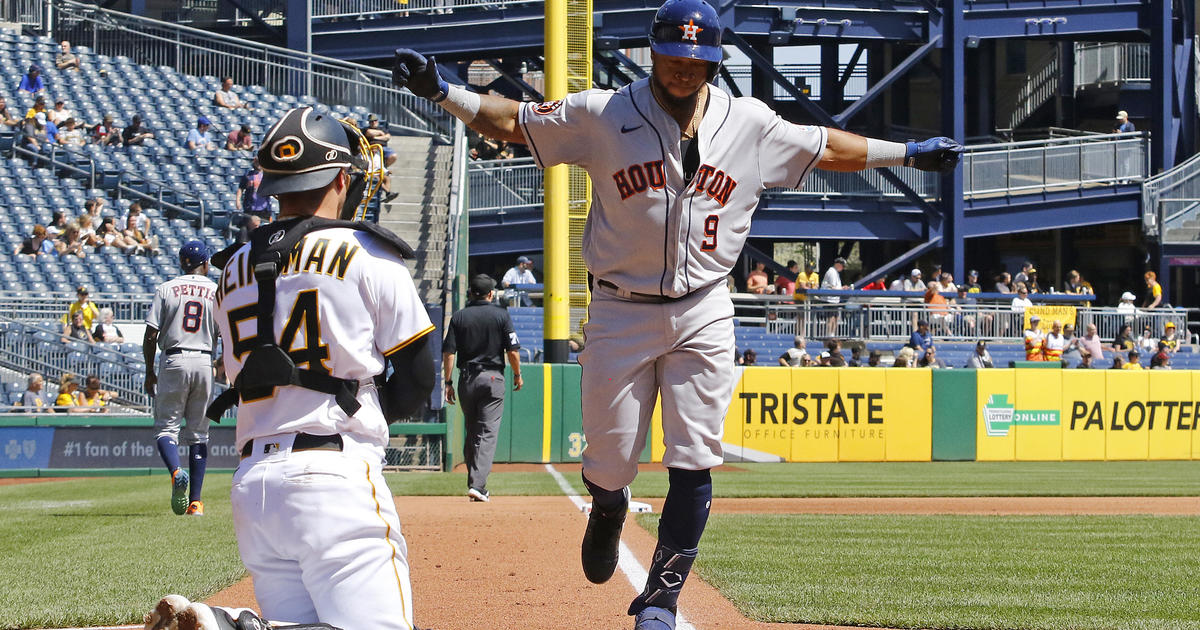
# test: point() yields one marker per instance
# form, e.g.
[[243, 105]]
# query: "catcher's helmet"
[[193, 254], [687, 28]]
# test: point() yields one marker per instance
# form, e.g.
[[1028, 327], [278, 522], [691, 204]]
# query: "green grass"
[[103, 551], [1054, 573], [918, 479]]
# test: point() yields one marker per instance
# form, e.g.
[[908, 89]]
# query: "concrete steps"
[[419, 212]]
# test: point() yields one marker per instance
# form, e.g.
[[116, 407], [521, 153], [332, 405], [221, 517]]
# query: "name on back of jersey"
[[638, 178], [319, 258], [191, 290]]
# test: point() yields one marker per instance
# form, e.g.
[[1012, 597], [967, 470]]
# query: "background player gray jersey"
[[632, 153], [182, 313]]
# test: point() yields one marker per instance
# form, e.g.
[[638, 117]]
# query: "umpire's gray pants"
[[184, 385], [481, 395]]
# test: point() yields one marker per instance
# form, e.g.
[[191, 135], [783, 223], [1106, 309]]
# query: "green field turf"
[[1055, 573], [103, 551], [1165, 478]]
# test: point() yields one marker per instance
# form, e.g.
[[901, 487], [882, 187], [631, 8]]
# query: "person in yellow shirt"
[[68, 395], [84, 305], [1134, 361], [94, 398], [807, 279], [1154, 296]]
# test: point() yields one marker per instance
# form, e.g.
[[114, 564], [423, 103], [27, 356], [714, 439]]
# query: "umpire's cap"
[[303, 151], [482, 285], [193, 254]]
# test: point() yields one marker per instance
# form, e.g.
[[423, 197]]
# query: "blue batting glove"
[[412, 70], [939, 155]]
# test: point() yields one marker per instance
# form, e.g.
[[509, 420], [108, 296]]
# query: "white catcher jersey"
[[343, 302], [182, 313], [647, 231]]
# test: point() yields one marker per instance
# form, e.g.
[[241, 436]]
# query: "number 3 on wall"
[[710, 233], [577, 444]]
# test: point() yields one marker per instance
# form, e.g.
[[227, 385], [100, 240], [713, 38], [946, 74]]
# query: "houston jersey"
[[182, 313], [648, 231], [343, 302]]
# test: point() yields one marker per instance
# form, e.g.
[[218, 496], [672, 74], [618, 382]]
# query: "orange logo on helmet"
[[287, 149], [690, 30]]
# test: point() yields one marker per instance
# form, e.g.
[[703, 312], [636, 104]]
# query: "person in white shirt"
[[833, 280], [1022, 301], [521, 273], [1126, 307]]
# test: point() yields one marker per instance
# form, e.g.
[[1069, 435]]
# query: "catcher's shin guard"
[[666, 577]]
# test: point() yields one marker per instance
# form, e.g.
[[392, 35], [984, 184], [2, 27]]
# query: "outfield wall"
[[778, 414]]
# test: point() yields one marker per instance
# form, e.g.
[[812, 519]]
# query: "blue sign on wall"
[[26, 447]]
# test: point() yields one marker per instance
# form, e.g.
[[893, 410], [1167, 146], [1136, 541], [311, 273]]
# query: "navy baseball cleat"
[[179, 491], [654, 618], [602, 541]]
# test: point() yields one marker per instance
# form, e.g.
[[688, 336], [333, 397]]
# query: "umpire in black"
[[481, 334]]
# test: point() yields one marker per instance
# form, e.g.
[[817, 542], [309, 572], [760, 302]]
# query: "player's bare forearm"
[[447, 366], [497, 119], [514, 362], [844, 151]]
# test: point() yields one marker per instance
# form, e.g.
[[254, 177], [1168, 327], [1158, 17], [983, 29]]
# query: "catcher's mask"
[[306, 150]]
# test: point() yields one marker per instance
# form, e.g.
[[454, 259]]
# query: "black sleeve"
[[510, 341], [411, 382], [450, 345]]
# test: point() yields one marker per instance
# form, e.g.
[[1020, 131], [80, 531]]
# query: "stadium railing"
[[1171, 203], [279, 70], [350, 9], [28, 306], [30, 13], [1109, 63]]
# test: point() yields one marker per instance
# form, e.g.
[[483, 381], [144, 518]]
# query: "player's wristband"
[[884, 153], [462, 104]]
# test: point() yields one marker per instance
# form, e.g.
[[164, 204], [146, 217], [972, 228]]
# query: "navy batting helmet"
[[687, 28], [193, 254]]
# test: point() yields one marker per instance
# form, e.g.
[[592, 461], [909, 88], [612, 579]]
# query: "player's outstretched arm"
[[845, 151], [492, 116]]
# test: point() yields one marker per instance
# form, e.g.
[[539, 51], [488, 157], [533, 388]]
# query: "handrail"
[[335, 9], [1100, 137], [50, 305]]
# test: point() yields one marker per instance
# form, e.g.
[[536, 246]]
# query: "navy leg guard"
[[667, 575], [684, 515], [197, 463], [168, 450]]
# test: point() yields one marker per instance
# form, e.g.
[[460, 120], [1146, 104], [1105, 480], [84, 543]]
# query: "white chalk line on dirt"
[[628, 563]]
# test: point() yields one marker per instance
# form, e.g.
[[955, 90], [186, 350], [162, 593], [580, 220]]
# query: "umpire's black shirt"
[[480, 334]]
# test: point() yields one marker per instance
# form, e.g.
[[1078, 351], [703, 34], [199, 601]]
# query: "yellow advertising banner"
[[1187, 424], [1084, 399], [1036, 418], [1126, 435], [1169, 403], [818, 412], [862, 399], [1049, 313], [995, 439], [765, 424], [908, 413]]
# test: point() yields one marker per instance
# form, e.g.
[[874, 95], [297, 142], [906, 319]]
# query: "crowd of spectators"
[[91, 231]]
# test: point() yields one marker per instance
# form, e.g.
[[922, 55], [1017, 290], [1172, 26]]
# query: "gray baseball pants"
[[481, 395]]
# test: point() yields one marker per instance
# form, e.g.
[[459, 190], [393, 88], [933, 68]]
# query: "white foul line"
[[634, 571]]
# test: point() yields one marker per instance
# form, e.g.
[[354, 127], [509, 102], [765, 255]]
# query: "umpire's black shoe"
[[602, 541]]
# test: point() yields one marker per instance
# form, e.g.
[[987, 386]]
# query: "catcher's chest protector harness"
[[268, 365], [649, 230]]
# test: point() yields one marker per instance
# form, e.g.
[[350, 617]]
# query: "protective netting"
[[579, 78], [415, 452]]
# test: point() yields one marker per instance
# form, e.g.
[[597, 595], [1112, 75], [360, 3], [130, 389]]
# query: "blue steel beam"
[[883, 84], [954, 125], [900, 261], [1071, 20], [843, 21], [875, 224], [1051, 211]]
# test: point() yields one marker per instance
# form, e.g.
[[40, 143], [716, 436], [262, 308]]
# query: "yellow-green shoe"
[[179, 491]]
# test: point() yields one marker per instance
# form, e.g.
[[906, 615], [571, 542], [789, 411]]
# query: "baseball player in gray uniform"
[[677, 168], [180, 323]]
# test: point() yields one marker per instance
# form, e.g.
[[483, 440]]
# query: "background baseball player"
[[315, 522], [677, 167], [180, 323]]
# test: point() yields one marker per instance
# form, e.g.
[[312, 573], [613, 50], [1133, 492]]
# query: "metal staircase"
[[1040, 86], [420, 212]]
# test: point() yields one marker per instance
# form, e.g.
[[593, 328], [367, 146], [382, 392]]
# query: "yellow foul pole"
[[555, 224]]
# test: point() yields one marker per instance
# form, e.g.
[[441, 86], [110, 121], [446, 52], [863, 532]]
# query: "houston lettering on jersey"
[[239, 272], [638, 178]]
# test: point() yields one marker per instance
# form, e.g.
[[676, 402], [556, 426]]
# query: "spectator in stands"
[[1004, 283], [248, 199], [51, 128], [33, 135], [1154, 296], [142, 244], [792, 356], [905, 357], [87, 233], [931, 360], [1126, 308], [1161, 359], [38, 243], [58, 224], [239, 139], [491, 149], [756, 281], [94, 207], [135, 133], [385, 177], [225, 96], [1090, 343], [1033, 285], [199, 139], [972, 283], [70, 244], [1134, 362], [1124, 341], [981, 358], [750, 357], [809, 279], [106, 331], [1118, 362], [68, 395], [1022, 301], [70, 134], [76, 329], [60, 113], [1023, 274], [107, 134], [93, 398], [832, 280], [378, 135], [33, 400], [143, 222], [1034, 340], [855, 357], [920, 340], [1085, 360], [913, 282], [521, 273], [249, 225], [947, 282], [939, 308], [1072, 349], [39, 107], [1076, 284], [32, 81], [1054, 343], [6, 115], [65, 59], [82, 304], [874, 358], [1122, 124], [785, 285], [110, 235], [1147, 342], [875, 285], [1169, 337]]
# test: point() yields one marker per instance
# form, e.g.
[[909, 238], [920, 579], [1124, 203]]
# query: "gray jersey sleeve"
[[553, 129], [788, 152]]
